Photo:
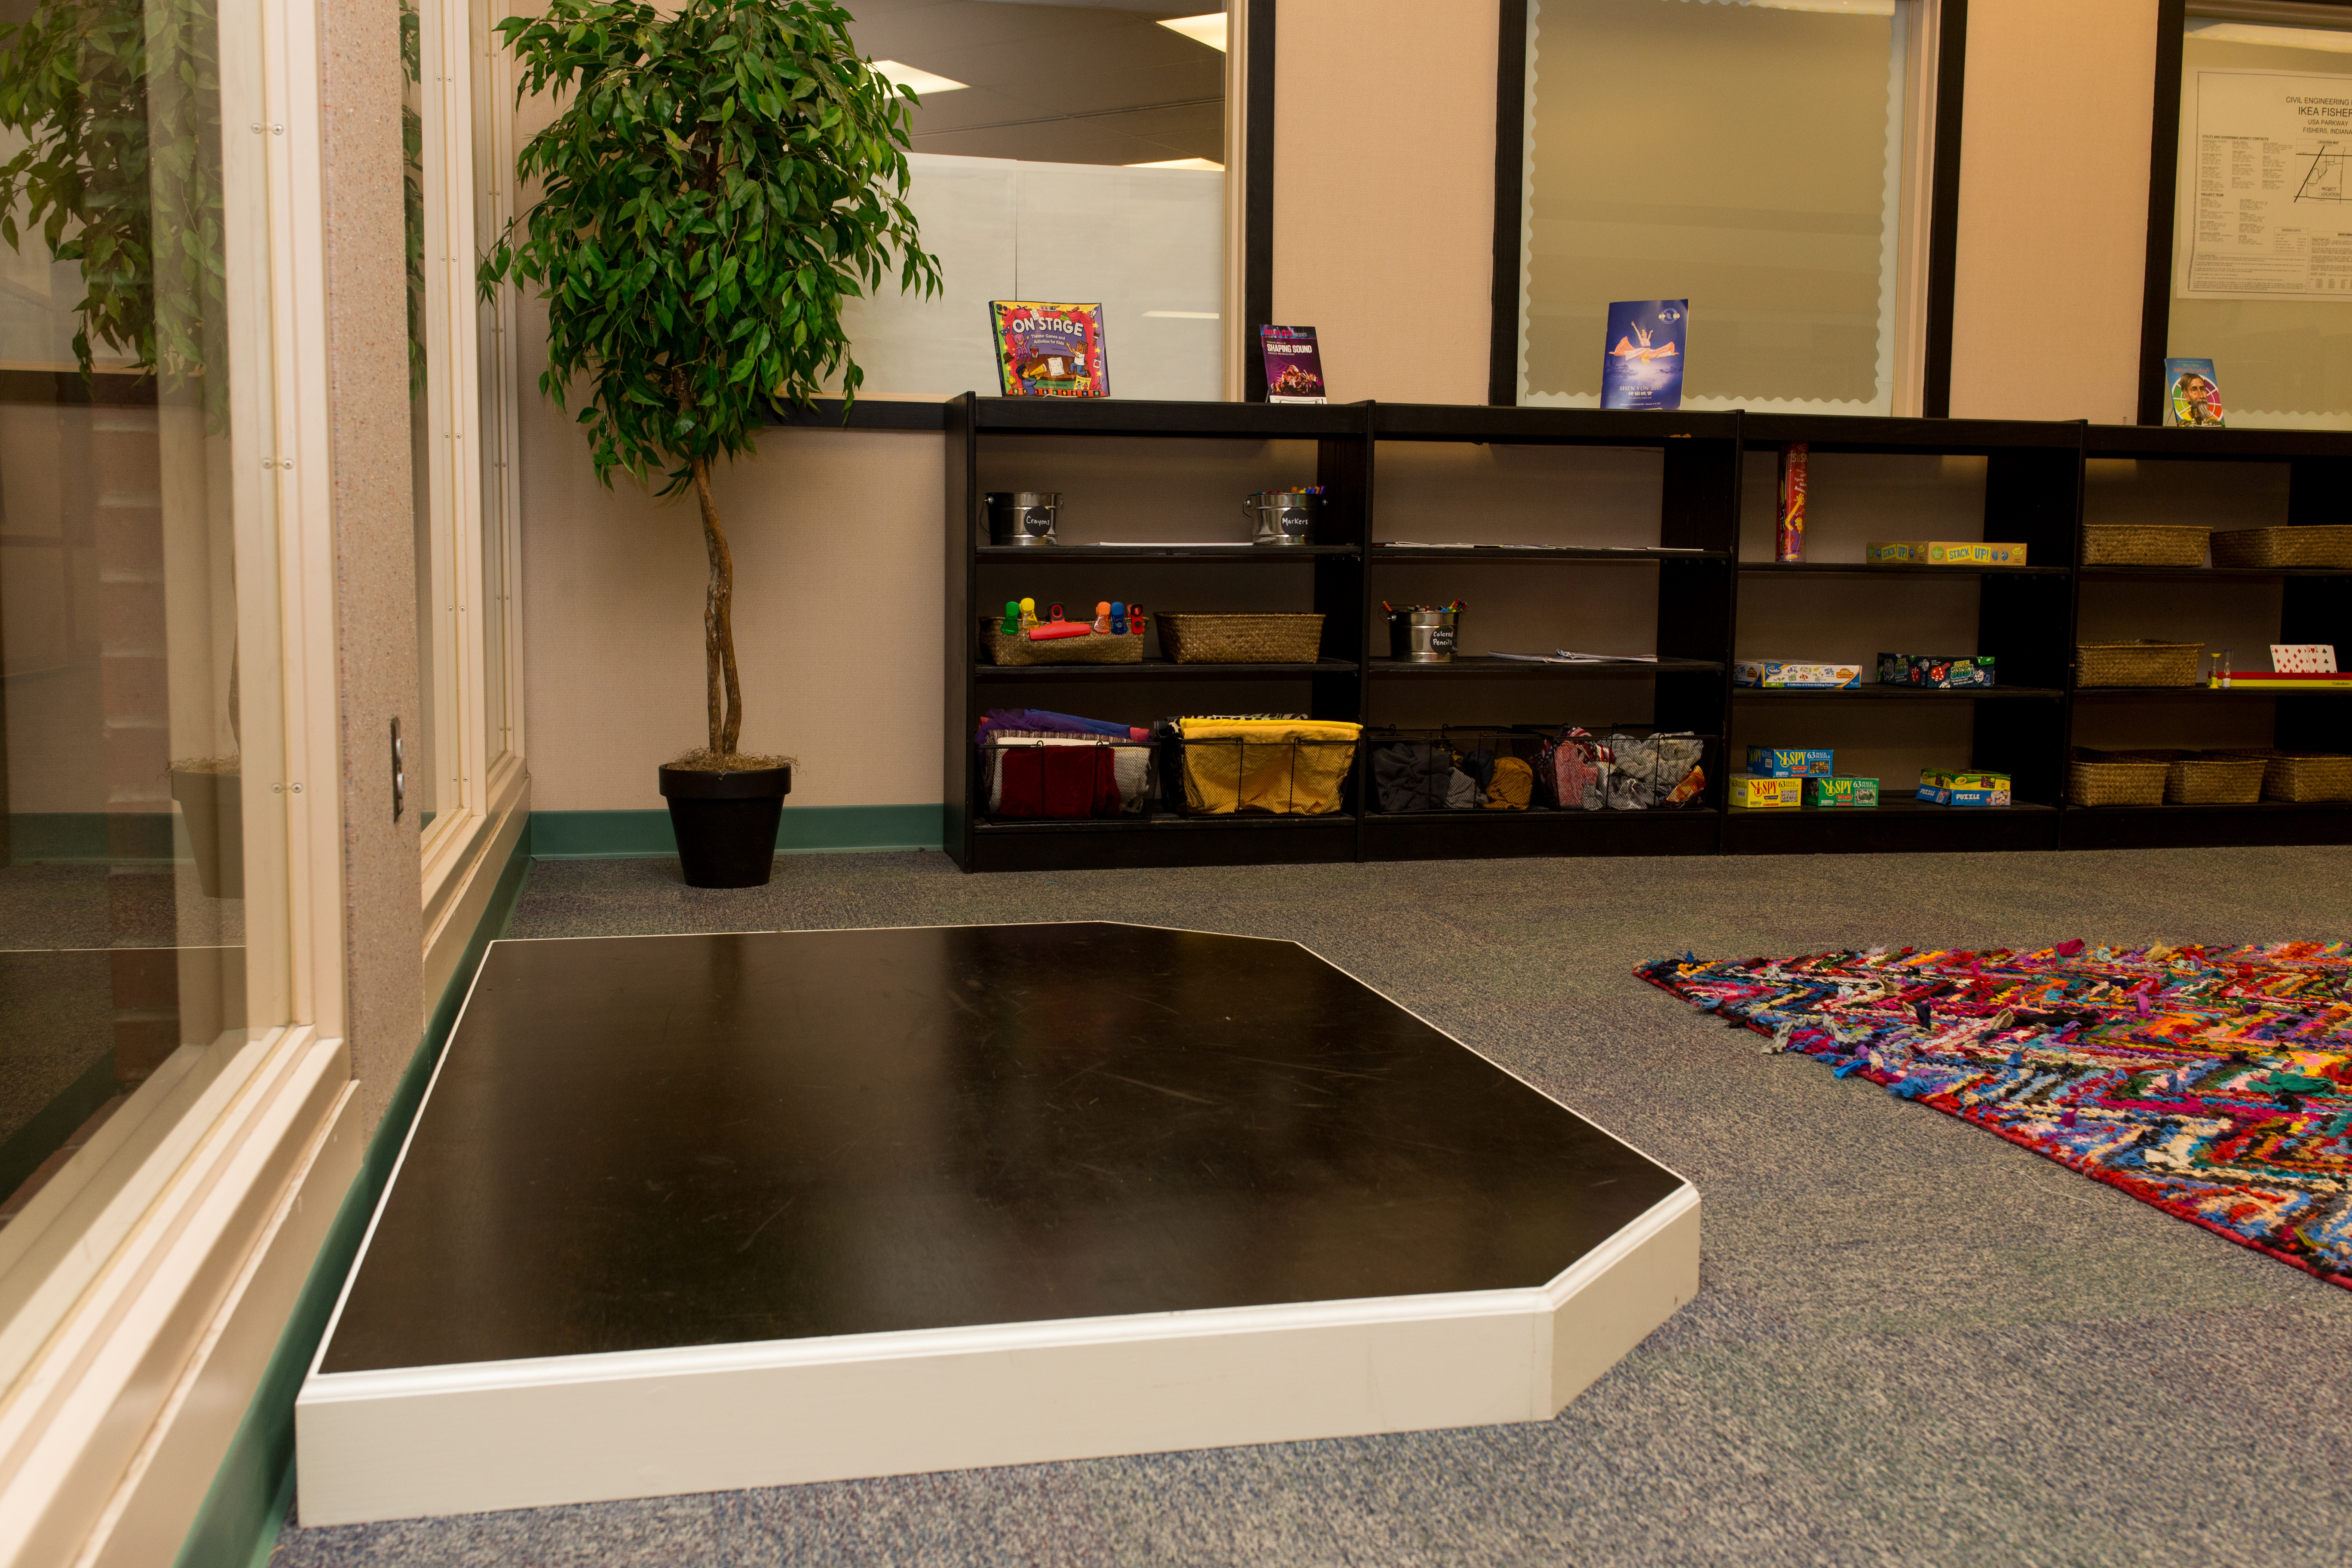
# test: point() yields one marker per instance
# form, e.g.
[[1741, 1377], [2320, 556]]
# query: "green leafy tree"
[[721, 182], [119, 103]]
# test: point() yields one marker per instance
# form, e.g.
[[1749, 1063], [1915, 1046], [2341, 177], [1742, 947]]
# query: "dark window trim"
[[1943, 203], [1510, 186], [1944, 208], [2163, 189], [1257, 197]]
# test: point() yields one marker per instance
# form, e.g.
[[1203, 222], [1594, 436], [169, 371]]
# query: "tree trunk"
[[719, 624]]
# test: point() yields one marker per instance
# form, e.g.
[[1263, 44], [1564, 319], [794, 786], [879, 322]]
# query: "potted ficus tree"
[[720, 180]]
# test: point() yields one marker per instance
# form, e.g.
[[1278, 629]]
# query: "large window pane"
[[435, 755], [1746, 155], [1103, 183], [493, 350], [2261, 274], [142, 869]]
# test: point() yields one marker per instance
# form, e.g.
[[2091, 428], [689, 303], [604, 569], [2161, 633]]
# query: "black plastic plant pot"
[[726, 822]]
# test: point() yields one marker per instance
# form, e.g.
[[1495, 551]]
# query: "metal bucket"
[[1421, 636], [1283, 517], [1021, 516]]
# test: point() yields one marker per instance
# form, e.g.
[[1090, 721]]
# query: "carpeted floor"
[[1914, 1343]]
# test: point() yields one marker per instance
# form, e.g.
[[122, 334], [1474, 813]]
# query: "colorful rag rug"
[[2215, 1083]]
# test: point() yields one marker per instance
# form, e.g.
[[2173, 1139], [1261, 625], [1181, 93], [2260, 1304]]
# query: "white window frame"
[[468, 835], [212, 1207]]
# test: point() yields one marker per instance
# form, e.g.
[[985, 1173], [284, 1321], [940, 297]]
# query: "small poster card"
[[1050, 351], [2192, 395], [1645, 365], [1294, 370]]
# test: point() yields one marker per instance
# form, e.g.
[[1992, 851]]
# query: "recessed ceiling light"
[[1208, 29], [910, 76], [2325, 39], [1834, 7], [1185, 315], [1179, 163]]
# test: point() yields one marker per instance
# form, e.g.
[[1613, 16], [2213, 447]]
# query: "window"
[[149, 788], [1060, 154], [2260, 276], [1766, 159], [464, 763]]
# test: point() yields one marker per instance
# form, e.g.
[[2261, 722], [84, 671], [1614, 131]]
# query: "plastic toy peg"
[[1118, 617], [1135, 619], [1028, 614], [1102, 616], [1011, 626], [1054, 613]]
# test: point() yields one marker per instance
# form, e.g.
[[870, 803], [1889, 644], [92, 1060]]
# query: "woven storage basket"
[[1239, 640], [2214, 781], [1097, 649], [2143, 544], [2116, 780], [2137, 663], [2302, 777], [2323, 544]]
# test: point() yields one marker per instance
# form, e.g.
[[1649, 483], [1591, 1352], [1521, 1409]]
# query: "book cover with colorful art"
[[1648, 341], [1047, 350], [1294, 369], [2192, 393]]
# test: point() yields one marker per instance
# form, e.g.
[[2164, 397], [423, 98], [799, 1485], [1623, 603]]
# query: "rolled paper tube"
[[1789, 528], [1053, 631]]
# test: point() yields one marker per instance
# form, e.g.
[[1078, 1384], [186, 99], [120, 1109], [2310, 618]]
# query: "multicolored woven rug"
[[2215, 1083]]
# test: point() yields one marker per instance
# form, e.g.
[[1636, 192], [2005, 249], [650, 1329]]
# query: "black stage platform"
[[646, 1144]]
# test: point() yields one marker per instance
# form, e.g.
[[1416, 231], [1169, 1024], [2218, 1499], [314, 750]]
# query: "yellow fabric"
[[1512, 786], [1288, 767]]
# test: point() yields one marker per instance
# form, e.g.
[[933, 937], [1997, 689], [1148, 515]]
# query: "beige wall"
[[1383, 235], [2053, 210], [375, 629], [1384, 192]]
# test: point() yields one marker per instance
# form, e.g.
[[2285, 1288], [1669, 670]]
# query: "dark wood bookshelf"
[[2026, 617]]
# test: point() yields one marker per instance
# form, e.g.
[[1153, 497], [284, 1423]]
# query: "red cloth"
[[1057, 781]]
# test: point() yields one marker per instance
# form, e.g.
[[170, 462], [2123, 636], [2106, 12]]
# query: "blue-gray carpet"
[[1914, 1343]]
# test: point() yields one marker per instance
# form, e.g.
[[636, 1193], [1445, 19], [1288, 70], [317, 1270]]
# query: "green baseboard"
[[804, 831], [250, 1493]]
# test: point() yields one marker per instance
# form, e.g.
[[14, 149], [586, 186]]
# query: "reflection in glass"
[[434, 754], [2284, 360], [138, 734], [1748, 157], [492, 206], [1102, 184]]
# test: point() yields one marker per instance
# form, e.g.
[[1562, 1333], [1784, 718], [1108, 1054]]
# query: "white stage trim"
[[527, 1433]]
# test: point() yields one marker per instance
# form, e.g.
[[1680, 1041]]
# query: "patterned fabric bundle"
[[2211, 1083]]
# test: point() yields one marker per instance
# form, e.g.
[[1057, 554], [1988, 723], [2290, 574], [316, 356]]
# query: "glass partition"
[[1101, 184], [1749, 156], [143, 924], [2261, 264]]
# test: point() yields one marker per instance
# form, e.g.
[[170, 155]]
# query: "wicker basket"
[[2307, 776], [2097, 778], [2137, 663], [2322, 544], [1239, 640], [2143, 544], [1097, 649], [2210, 780]]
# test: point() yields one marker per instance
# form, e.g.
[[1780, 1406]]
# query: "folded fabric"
[[1462, 792], [1037, 720], [1057, 781], [1292, 767], [1131, 765], [1512, 785], [1410, 775]]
